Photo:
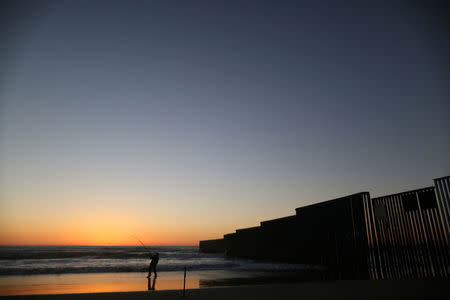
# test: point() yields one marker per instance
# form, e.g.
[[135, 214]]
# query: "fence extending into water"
[[404, 235]]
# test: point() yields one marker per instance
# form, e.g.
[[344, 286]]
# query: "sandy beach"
[[410, 289], [136, 282]]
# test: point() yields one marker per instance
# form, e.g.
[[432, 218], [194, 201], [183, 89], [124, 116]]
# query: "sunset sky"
[[176, 121]]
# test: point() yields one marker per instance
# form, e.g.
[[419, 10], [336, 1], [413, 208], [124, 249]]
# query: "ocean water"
[[34, 260]]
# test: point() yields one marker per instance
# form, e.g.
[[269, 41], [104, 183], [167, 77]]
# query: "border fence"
[[404, 235], [408, 236]]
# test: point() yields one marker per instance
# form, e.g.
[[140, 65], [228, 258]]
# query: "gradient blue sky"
[[194, 118]]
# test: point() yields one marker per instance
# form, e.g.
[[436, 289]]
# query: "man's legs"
[[149, 271]]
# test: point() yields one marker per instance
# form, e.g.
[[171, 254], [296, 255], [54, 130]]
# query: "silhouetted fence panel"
[[406, 236], [333, 234], [212, 246], [280, 238], [248, 243], [443, 201], [229, 242]]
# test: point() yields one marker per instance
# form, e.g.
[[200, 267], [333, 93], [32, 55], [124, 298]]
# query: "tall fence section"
[[409, 236], [405, 235]]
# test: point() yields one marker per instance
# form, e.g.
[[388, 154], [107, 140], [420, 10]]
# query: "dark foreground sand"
[[400, 289]]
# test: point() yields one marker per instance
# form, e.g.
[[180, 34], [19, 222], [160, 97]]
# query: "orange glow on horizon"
[[98, 232], [5, 241], [96, 222], [90, 238]]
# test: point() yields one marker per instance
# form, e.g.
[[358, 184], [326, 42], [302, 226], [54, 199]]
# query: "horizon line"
[[80, 245]]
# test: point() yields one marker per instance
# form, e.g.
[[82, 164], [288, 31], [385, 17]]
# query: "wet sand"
[[123, 282], [400, 289]]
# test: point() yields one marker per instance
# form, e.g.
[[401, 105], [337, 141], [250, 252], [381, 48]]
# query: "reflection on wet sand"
[[262, 278], [123, 282], [90, 283], [151, 286]]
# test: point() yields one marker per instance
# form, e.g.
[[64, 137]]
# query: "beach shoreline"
[[137, 281], [341, 289]]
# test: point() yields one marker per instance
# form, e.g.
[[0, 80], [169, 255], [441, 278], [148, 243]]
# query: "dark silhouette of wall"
[[333, 234], [330, 234], [280, 236], [245, 242], [212, 246], [405, 235], [229, 241]]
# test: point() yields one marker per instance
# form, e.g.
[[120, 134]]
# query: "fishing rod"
[[142, 244]]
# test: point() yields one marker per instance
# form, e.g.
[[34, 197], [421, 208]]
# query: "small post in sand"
[[184, 282]]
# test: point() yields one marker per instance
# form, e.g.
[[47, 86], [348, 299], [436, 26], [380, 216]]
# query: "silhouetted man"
[[154, 261]]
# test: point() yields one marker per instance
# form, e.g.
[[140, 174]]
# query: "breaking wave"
[[76, 259]]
